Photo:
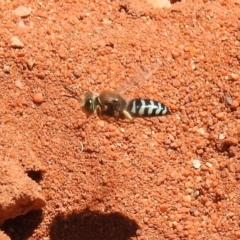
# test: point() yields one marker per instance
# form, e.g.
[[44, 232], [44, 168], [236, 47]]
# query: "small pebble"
[[196, 163], [193, 66], [6, 68], [195, 194], [22, 11], [38, 98], [187, 198], [232, 141], [192, 51], [175, 54], [176, 83], [237, 234], [220, 115], [21, 24], [16, 43], [77, 73], [122, 130], [160, 4], [221, 136], [235, 76], [208, 203], [163, 207], [174, 73], [192, 209], [235, 104], [40, 75], [145, 220], [30, 64], [179, 227], [209, 164], [139, 232], [188, 185], [200, 131], [203, 113], [174, 224], [19, 84], [228, 99], [101, 123]]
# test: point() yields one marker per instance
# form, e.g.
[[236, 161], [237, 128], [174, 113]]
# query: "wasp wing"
[[139, 78]]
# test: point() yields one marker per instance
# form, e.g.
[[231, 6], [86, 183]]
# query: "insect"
[[113, 104]]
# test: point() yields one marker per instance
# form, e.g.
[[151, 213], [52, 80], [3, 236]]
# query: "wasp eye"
[[88, 105]]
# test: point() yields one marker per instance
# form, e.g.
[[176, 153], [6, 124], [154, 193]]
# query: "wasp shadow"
[[22, 227], [90, 225]]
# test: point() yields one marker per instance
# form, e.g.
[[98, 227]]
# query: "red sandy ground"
[[132, 180]]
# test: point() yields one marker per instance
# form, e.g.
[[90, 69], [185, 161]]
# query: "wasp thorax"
[[88, 103]]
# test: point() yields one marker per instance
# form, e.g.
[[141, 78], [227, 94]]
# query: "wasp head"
[[88, 103]]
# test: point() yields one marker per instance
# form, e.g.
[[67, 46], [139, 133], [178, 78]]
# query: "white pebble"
[[6, 68], [221, 136], [16, 43], [19, 84], [209, 164], [178, 117], [235, 76], [22, 11], [101, 123], [201, 131], [196, 163]]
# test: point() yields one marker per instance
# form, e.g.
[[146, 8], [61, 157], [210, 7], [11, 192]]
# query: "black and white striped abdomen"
[[146, 108]]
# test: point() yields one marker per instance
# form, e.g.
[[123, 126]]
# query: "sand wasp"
[[112, 104]]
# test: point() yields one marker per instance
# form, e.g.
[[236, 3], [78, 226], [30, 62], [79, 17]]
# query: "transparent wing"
[[139, 78]]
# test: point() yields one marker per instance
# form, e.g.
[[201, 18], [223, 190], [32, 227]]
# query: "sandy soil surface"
[[172, 177]]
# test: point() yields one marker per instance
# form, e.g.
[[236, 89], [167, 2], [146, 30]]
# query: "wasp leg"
[[116, 115], [99, 111], [127, 115]]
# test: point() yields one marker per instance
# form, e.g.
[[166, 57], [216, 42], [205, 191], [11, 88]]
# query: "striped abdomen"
[[147, 108]]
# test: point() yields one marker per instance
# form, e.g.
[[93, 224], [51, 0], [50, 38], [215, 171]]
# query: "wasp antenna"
[[73, 94], [69, 90]]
